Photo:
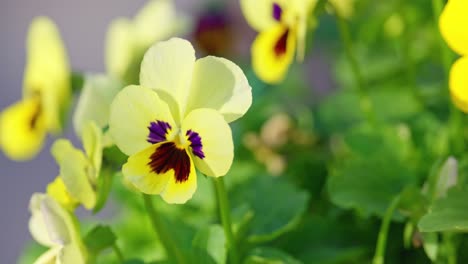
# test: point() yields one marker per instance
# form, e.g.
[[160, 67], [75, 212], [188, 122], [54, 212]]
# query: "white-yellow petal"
[[132, 111], [120, 47], [94, 101], [216, 141], [167, 68], [71, 253], [22, 129], [74, 171], [259, 13], [48, 257], [177, 192], [155, 21], [221, 85]]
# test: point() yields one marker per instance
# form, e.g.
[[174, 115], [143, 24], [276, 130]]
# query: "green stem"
[[450, 249], [345, 34], [165, 237], [118, 253], [225, 214], [379, 256]]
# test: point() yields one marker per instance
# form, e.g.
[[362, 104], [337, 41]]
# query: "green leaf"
[[209, 245], [447, 214], [99, 238], [368, 184], [276, 204], [266, 255]]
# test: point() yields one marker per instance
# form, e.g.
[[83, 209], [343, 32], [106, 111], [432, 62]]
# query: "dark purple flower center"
[[281, 44], [158, 131], [168, 156], [277, 11], [195, 143]]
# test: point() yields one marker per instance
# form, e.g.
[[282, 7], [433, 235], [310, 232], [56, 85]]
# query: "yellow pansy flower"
[[79, 170], [127, 40], [177, 119], [453, 24], [54, 227], [46, 91], [282, 26]]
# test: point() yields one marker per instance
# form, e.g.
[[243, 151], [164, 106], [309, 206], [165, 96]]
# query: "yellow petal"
[[167, 68], [74, 171], [120, 47], [71, 253], [216, 141], [139, 174], [271, 66], [92, 142], [459, 83], [57, 190], [47, 71], [180, 192], [453, 24], [22, 129], [221, 85], [132, 111], [259, 13]]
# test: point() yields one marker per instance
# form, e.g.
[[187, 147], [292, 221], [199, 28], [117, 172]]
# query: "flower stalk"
[[168, 243], [225, 214]]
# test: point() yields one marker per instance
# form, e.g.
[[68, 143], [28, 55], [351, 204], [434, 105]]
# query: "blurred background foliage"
[[330, 167]]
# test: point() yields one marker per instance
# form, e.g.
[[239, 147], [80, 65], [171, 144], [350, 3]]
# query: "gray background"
[[83, 25]]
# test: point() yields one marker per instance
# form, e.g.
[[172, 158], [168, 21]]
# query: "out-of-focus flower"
[[54, 227], [282, 27], [213, 33], [177, 119], [127, 40], [57, 190], [275, 133], [453, 24], [94, 102], [78, 171], [46, 92]]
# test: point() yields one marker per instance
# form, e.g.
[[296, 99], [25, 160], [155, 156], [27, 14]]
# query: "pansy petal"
[[138, 172], [132, 111], [71, 253], [155, 12], [48, 257], [22, 129], [221, 85], [178, 192], [47, 70], [92, 142], [260, 13], [57, 190], [273, 52], [215, 156], [459, 83], [167, 67], [74, 169], [453, 24], [120, 46], [37, 222]]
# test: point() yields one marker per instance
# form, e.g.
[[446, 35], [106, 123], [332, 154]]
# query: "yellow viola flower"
[[79, 170], [282, 26], [453, 24], [46, 91], [177, 119], [54, 227], [127, 40]]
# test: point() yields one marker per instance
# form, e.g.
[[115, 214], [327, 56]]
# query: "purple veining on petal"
[[158, 131], [195, 143], [277, 11]]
